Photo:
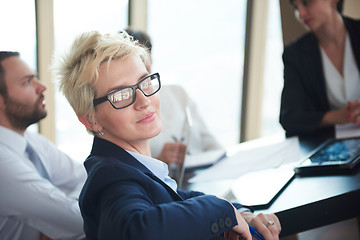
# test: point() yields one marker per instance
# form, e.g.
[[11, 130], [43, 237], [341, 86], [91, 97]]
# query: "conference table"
[[306, 202]]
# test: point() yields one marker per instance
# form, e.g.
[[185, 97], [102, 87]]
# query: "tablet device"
[[332, 157]]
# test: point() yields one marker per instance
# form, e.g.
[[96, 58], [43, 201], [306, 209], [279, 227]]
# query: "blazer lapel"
[[174, 195], [315, 81], [108, 149], [353, 30]]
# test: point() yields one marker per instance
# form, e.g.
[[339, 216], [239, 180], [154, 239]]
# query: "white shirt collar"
[[157, 167]]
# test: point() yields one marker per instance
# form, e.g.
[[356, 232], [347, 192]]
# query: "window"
[[70, 19], [273, 73], [198, 44], [18, 32], [19, 35]]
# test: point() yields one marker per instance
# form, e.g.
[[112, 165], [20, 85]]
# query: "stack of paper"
[[249, 159]]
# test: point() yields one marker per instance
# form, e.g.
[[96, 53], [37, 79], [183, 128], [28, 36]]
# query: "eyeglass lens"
[[126, 96]]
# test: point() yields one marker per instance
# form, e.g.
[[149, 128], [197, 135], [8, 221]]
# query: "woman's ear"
[[87, 122]]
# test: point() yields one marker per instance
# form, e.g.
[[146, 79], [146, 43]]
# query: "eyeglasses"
[[126, 96]]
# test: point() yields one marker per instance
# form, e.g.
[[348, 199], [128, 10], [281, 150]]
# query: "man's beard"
[[23, 115]]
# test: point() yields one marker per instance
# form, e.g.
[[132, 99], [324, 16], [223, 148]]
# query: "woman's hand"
[[267, 225], [173, 152], [345, 115], [353, 108], [44, 237], [338, 116]]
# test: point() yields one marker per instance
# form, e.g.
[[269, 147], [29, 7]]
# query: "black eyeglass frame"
[[97, 101]]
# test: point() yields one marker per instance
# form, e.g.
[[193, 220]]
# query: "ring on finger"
[[270, 223]]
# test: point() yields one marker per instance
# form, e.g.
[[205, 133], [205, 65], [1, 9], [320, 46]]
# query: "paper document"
[[204, 159], [245, 160], [258, 189], [347, 130]]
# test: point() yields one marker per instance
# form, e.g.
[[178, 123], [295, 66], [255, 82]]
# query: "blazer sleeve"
[[189, 194], [299, 111], [133, 207]]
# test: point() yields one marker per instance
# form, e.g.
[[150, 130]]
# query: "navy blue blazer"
[[122, 199], [304, 100]]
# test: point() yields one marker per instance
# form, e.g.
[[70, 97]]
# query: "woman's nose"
[[141, 101]]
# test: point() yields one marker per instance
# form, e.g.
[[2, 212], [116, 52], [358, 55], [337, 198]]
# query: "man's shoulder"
[[36, 138]]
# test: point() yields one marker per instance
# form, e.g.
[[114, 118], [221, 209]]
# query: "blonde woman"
[[128, 194]]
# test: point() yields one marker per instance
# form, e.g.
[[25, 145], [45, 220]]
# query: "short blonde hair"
[[78, 70]]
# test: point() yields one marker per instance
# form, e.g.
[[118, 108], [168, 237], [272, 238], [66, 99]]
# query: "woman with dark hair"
[[321, 70]]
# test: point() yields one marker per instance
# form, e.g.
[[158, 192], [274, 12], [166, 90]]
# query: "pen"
[[255, 233], [176, 140]]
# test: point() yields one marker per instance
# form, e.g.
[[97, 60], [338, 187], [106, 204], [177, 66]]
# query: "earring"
[[100, 133]]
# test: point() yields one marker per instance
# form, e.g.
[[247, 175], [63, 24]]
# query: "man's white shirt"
[[30, 204]]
